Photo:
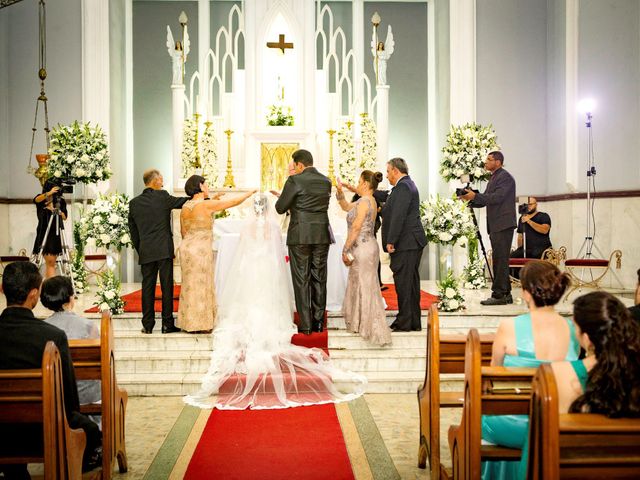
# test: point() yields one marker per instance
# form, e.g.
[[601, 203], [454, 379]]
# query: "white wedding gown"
[[253, 363]]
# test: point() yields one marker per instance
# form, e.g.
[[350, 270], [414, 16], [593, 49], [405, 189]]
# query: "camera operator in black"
[[46, 203], [533, 232]]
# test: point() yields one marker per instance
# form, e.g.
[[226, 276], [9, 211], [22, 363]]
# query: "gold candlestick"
[[197, 164], [228, 179], [331, 173]]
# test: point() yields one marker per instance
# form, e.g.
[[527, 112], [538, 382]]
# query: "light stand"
[[586, 250]]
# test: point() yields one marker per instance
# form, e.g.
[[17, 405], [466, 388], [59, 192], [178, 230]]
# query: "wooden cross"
[[281, 44]]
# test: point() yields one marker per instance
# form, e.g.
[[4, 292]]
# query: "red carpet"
[[391, 297], [293, 443]]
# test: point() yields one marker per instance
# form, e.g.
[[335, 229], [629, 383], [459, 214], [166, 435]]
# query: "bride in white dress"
[[253, 363]]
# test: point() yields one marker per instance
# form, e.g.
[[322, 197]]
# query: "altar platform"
[[173, 364]]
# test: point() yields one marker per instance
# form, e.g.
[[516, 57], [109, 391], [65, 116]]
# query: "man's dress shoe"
[[505, 300], [147, 331], [318, 327], [171, 329]]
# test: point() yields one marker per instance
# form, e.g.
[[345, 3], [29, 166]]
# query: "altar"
[[227, 236]]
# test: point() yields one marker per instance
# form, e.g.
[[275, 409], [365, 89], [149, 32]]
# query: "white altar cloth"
[[226, 233]]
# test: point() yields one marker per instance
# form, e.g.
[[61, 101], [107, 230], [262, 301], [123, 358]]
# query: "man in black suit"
[[306, 196], [500, 199], [22, 341], [404, 239], [150, 227]]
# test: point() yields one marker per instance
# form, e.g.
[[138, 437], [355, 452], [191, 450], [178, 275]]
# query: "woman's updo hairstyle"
[[372, 178], [544, 281], [192, 185]]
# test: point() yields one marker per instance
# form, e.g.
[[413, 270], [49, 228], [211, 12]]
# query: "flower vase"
[[445, 260], [113, 262]]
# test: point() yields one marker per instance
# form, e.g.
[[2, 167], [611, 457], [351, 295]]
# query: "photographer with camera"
[[533, 232], [500, 199], [50, 204]]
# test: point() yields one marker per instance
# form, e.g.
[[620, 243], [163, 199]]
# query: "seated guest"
[[541, 335], [607, 380], [533, 232], [635, 310], [22, 341], [57, 295]]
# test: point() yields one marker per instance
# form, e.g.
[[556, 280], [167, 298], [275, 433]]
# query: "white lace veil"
[[253, 363]]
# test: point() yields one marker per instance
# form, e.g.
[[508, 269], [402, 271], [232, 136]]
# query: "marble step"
[[388, 359]]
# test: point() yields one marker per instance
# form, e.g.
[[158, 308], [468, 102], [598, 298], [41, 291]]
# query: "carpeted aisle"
[[301, 443]]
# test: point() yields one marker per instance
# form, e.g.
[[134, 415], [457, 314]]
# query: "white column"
[[462, 35], [432, 122], [129, 182], [204, 42], [308, 62], [382, 126], [357, 37], [177, 104], [571, 95], [95, 62]]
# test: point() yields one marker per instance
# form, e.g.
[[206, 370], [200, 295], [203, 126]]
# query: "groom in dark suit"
[[306, 196], [403, 238], [150, 228]]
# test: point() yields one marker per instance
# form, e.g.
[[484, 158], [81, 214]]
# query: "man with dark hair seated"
[[635, 310], [22, 341]]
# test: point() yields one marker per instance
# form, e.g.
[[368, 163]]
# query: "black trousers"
[[501, 246], [149, 275], [405, 266], [308, 265]]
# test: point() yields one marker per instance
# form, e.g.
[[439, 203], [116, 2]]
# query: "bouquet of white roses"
[[369, 152], [465, 151], [451, 300], [446, 220], [473, 274], [210, 170], [189, 155], [80, 152], [347, 154], [106, 222], [108, 294]]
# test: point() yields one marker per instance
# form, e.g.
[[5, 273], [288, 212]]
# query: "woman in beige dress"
[[197, 310], [363, 307]]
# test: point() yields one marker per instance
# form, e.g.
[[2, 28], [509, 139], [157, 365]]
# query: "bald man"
[[533, 231]]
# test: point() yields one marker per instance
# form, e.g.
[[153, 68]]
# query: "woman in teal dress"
[[607, 380], [542, 335]]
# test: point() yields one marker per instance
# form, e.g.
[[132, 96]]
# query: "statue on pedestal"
[[178, 52], [381, 52]]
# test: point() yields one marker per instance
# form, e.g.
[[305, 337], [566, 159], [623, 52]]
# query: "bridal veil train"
[[253, 363]]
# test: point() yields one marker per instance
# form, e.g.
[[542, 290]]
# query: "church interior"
[[229, 89]]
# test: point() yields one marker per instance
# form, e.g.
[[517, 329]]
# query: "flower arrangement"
[[451, 300], [465, 151], [78, 270], [209, 156], [446, 220], [190, 155], [278, 118], [369, 145], [473, 274], [79, 152], [347, 166], [108, 295], [105, 224]]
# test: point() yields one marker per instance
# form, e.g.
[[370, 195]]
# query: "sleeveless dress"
[[363, 307], [511, 430], [197, 310]]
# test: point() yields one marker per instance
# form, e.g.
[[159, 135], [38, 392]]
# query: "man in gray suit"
[[306, 197], [500, 200]]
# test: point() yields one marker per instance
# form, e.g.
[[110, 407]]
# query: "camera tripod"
[[63, 261], [479, 237]]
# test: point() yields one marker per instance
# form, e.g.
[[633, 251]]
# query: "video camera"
[[523, 208], [64, 184], [463, 191]]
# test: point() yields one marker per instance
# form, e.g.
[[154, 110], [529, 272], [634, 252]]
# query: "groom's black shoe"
[[318, 326], [170, 329], [146, 330], [305, 332]]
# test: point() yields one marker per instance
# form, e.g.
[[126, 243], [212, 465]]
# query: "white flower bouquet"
[[190, 156], [105, 223], [108, 294], [347, 154], [451, 300], [465, 151], [78, 269], [446, 220], [80, 152], [210, 170], [369, 143], [473, 274]]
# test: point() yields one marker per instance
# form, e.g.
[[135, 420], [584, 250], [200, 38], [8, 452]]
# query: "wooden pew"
[[482, 397], [35, 396], [444, 355], [578, 445], [94, 360]]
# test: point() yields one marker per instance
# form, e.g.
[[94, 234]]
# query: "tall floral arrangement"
[[78, 269], [369, 143], [465, 151], [190, 156], [106, 224], [108, 295], [446, 220], [347, 153], [451, 300], [210, 168], [79, 152]]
